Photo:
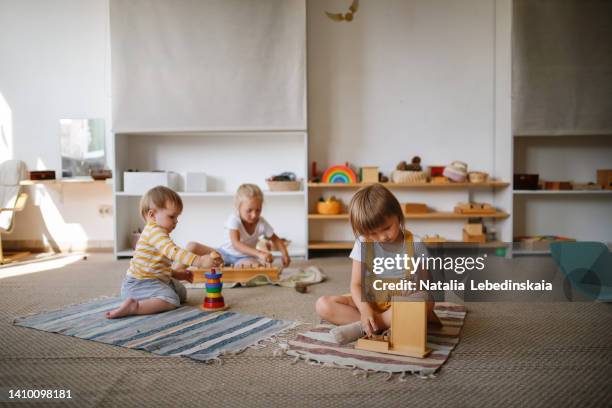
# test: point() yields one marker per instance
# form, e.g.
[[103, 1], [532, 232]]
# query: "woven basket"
[[284, 185], [477, 177], [406, 176]]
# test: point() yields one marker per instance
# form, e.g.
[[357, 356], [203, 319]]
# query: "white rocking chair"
[[12, 200]]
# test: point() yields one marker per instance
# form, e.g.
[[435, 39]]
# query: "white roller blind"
[[208, 64], [562, 67]]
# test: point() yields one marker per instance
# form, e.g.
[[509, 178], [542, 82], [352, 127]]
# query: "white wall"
[[55, 64], [405, 78]]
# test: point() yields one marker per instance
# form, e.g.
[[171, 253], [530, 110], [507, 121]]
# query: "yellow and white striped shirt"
[[155, 253]]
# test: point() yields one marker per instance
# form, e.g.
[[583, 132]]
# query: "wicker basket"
[[477, 177], [284, 185], [406, 176]]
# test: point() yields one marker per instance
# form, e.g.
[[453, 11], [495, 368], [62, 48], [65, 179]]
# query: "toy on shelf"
[[42, 175], [238, 274], [474, 233], [538, 242], [339, 174], [331, 206], [213, 300], [440, 180], [436, 171], [283, 182], [604, 178], [526, 181], [558, 185], [456, 171], [369, 174], [434, 239], [477, 177], [474, 208], [409, 173], [415, 208], [408, 331], [586, 186], [100, 174], [314, 177]]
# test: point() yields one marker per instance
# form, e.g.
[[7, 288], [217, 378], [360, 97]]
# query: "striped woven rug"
[[319, 345], [186, 331]]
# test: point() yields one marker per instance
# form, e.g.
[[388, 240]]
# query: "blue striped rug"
[[186, 331]]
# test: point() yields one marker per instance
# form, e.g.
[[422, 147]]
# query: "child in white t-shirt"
[[243, 230]]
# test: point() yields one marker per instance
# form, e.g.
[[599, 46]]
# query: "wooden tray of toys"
[[239, 274], [474, 208]]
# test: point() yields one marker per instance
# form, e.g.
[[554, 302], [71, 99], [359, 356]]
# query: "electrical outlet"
[[105, 210]]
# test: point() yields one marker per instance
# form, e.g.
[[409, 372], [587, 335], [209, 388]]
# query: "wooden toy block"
[[369, 174], [474, 229], [408, 331], [474, 208], [474, 238], [433, 239], [440, 180], [604, 179], [557, 185], [415, 208], [239, 274]]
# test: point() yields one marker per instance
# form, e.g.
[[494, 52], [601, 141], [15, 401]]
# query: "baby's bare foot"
[[128, 308]]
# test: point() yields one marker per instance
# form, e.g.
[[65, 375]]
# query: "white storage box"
[[139, 182], [195, 182]]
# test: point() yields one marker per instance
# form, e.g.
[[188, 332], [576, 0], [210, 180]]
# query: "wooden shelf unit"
[[451, 185], [436, 215], [318, 188], [323, 245]]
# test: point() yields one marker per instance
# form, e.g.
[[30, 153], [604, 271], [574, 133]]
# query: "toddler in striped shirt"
[[151, 285]]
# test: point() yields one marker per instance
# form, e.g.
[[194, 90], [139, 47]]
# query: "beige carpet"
[[510, 355]]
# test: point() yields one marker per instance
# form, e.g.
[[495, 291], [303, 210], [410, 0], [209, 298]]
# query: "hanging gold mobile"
[[346, 16]]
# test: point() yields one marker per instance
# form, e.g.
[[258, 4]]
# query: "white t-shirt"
[[387, 251], [235, 223]]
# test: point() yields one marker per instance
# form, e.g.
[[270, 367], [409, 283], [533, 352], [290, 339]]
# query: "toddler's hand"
[[286, 260], [368, 322], [183, 275], [216, 259], [265, 257]]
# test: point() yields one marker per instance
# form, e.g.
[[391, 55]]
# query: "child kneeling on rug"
[[377, 217], [151, 285]]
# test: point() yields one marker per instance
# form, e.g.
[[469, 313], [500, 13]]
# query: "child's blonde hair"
[[246, 192], [159, 197], [371, 206]]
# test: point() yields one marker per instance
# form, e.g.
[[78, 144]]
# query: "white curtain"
[[208, 64], [562, 67]]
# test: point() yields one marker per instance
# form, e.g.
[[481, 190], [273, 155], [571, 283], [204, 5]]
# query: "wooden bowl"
[[329, 207]]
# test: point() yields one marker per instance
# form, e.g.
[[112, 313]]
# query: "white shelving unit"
[[579, 214], [229, 158]]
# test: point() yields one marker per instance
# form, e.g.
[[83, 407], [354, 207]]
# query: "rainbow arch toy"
[[339, 174]]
